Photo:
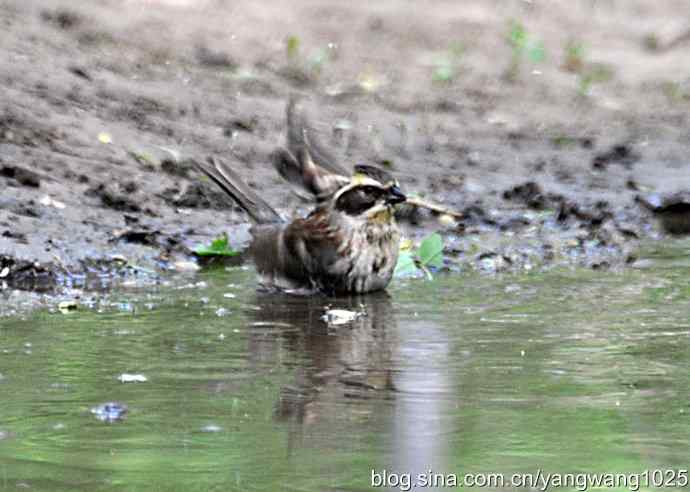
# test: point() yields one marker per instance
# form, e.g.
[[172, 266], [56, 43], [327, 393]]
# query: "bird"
[[349, 242]]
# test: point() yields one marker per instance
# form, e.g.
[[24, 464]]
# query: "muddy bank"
[[554, 154]]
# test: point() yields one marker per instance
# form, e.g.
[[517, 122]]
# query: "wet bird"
[[349, 243]]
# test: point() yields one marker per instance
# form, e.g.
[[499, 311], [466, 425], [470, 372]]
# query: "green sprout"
[[303, 68], [447, 64], [292, 48], [218, 247], [595, 73], [523, 46], [588, 73], [573, 56]]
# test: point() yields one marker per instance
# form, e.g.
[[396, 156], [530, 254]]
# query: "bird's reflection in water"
[[373, 374], [337, 369]]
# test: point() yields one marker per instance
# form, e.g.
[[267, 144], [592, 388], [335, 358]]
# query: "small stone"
[[110, 412], [211, 428], [132, 378]]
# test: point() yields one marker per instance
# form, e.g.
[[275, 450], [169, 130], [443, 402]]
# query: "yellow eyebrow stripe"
[[358, 179]]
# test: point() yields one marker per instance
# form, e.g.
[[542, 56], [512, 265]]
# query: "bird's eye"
[[359, 199], [371, 190]]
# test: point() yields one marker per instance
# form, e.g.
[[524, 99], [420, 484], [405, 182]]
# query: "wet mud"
[[105, 107]]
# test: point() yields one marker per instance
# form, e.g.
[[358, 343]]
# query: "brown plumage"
[[348, 244]]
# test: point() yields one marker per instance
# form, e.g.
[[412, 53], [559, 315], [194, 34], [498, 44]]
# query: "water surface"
[[565, 371]]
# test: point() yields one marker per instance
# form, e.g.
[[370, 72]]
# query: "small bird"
[[348, 244]]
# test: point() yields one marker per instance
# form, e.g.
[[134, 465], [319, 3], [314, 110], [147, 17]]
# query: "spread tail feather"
[[230, 182]]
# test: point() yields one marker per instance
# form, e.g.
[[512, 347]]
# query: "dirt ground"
[[554, 126]]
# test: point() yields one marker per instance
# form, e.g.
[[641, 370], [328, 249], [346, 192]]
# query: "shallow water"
[[564, 371]]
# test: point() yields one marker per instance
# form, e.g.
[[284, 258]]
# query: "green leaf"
[[431, 251], [218, 247], [405, 265], [429, 254]]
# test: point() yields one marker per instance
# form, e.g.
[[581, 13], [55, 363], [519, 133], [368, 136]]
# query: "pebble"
[[110, 412]]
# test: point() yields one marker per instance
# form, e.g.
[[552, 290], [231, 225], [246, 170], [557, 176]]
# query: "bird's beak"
[[395, 196]]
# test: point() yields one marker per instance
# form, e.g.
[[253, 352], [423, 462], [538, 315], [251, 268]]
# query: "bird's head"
[[372, 194]]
